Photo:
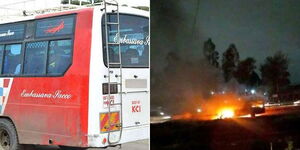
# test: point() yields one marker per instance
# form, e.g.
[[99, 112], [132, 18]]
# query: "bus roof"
[[67, 9]]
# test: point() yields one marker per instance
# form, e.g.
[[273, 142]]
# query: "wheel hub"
[[4, 140]]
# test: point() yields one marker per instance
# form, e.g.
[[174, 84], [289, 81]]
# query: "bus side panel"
[[83, 40], [55, 108]]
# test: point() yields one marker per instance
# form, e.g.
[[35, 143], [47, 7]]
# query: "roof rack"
[[11, 13], [63, 6]]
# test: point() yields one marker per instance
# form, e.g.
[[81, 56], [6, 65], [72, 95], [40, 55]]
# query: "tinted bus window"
[[134, 40], [59, 58], [55, 26], [35, 58], [12, 59], [11, 32]]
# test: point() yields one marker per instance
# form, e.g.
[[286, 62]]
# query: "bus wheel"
[[8, 136]]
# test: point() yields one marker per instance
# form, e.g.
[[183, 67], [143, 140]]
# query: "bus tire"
[[8, 136]]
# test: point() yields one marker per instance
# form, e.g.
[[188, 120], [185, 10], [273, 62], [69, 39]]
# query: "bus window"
[[12, 32], [56, 26], [59, 58], [134, 40], [12, 59], [35, 56]]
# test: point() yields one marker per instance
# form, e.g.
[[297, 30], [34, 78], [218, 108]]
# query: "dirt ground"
[[276, 132]]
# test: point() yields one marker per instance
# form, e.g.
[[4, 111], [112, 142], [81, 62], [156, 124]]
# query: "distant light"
[[253, 91], [167, 117], [297, 102], [212, 92], [162, 113], [265, 93], [223, 92], [246, 90], [199, 110], [258, 106]]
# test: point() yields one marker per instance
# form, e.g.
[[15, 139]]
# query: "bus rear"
[[119, 95]]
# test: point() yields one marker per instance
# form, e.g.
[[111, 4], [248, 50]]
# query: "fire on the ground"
[[226, 105]]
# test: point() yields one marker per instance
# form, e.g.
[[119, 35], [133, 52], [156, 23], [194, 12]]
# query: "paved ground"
[[137, 145]]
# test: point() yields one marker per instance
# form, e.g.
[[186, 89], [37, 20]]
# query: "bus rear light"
[[113, 88], [104, 141]]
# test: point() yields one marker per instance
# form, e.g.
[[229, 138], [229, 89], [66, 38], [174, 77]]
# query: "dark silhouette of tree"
[[245, 73], [210, 53], [215, 58], [229, 62], [275, 73], [254, 80]]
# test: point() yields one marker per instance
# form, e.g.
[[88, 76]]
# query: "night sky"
[[258, 28]]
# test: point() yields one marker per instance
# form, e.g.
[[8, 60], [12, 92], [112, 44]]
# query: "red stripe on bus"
[[104, 120], [6, 83]]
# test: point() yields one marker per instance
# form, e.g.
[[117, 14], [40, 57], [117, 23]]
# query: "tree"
[[229, 62], [210, 53], [245, 73], [275, 73], [254, 80]]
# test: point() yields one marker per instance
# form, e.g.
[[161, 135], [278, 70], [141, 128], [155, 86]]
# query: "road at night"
[[284, 109], [278, 128]]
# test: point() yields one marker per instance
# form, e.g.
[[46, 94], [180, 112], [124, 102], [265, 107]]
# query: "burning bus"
[[226, 105], [236, 105], [253, 104]]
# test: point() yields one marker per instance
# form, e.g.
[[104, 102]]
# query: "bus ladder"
[[108, 44]]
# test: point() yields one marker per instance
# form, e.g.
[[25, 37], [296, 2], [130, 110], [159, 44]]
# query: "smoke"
[[173, 30], [180, 74], [181, 78]]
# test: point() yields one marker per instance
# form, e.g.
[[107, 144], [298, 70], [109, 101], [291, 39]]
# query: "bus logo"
[[136, 106], [56, 28], [8, 33]]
